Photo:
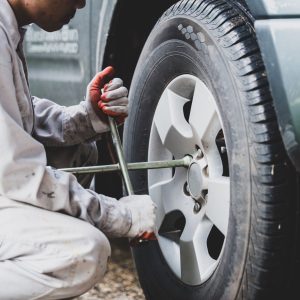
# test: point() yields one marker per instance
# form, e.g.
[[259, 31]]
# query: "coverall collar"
[[8, 19]]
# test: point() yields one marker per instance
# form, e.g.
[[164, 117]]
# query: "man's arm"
[[25, 177], [57, 125]]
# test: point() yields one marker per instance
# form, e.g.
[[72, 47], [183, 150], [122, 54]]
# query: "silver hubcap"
[[193, 204]]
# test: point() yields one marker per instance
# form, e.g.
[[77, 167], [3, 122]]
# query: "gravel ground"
[[120, 282]]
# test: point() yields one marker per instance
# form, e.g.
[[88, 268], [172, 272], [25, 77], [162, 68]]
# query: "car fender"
[[277, 27]]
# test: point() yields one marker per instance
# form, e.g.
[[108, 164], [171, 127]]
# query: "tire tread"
[[271, 232]]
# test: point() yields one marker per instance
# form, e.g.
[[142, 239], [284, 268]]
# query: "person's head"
[[50, 15]]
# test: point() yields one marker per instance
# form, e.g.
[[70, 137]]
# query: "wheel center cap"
[[195, 181]]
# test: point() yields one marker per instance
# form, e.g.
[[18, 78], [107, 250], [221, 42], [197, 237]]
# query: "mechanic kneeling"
[[53, 242]]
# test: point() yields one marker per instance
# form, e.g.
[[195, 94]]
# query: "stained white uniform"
[[52, 230]]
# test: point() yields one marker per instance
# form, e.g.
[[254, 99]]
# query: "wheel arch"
[[130, 26]]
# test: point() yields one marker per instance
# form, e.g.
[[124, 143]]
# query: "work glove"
[[131, 216], [106, 96], [142, 210]]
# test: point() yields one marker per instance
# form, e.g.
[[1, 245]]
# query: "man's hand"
[[142, 210], [108, 96]]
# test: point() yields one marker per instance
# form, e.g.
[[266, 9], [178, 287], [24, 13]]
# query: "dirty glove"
[[142, 210], [105, 97], [114, 101], [129, 217]]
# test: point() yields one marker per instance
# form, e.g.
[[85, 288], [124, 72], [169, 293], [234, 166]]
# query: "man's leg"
[[82, 155], [47, 255]]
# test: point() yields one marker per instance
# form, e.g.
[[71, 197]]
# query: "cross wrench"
[[127, 182]]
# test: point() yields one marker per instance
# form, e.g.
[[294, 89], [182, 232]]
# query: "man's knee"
[[85, 262], [99, 254], [91, 260]]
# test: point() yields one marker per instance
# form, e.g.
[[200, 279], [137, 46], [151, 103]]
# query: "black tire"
[[258, 261]]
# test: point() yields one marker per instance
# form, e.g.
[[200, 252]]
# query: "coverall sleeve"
[[57, 125], [25, 177]]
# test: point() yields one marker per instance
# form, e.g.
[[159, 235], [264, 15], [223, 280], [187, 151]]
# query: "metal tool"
[[184, 162], [118, 146], [127, 182], [123, 167]]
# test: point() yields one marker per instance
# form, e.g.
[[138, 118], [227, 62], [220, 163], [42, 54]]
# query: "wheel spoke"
[[172, 253], [157, 152], [155, 191], [204, 119], [169, 196], [218, 202], [174, 131], [195, 260]]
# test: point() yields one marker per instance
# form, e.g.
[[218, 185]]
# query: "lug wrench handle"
[[147, 236], [118, 146]]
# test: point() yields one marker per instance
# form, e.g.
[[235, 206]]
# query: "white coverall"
[[50, 243]]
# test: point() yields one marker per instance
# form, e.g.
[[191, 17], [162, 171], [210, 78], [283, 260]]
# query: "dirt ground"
[[120, 282]]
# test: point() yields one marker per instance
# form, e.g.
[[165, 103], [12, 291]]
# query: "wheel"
[[225, 226]]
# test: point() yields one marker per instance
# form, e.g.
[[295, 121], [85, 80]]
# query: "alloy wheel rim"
[[192, 205]]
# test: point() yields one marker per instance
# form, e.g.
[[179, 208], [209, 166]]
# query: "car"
[[216, 81]]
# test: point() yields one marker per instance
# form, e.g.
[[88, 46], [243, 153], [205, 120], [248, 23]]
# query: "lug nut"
[[197, 207]]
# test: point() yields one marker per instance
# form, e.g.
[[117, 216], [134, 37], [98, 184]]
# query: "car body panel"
[[280, 50], [274, 8], [277, 27], [69, 56]]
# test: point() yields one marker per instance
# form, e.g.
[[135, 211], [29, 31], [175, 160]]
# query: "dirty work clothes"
[[47, 255], [27, 127], [35, 199], [84, 155]]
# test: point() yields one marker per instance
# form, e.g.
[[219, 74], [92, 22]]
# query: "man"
[[53, 232]]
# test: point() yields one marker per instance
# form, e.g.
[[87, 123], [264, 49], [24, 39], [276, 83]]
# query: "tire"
[[214, 41]]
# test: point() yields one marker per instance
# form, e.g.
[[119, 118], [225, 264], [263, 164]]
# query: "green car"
[[215, 80]]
